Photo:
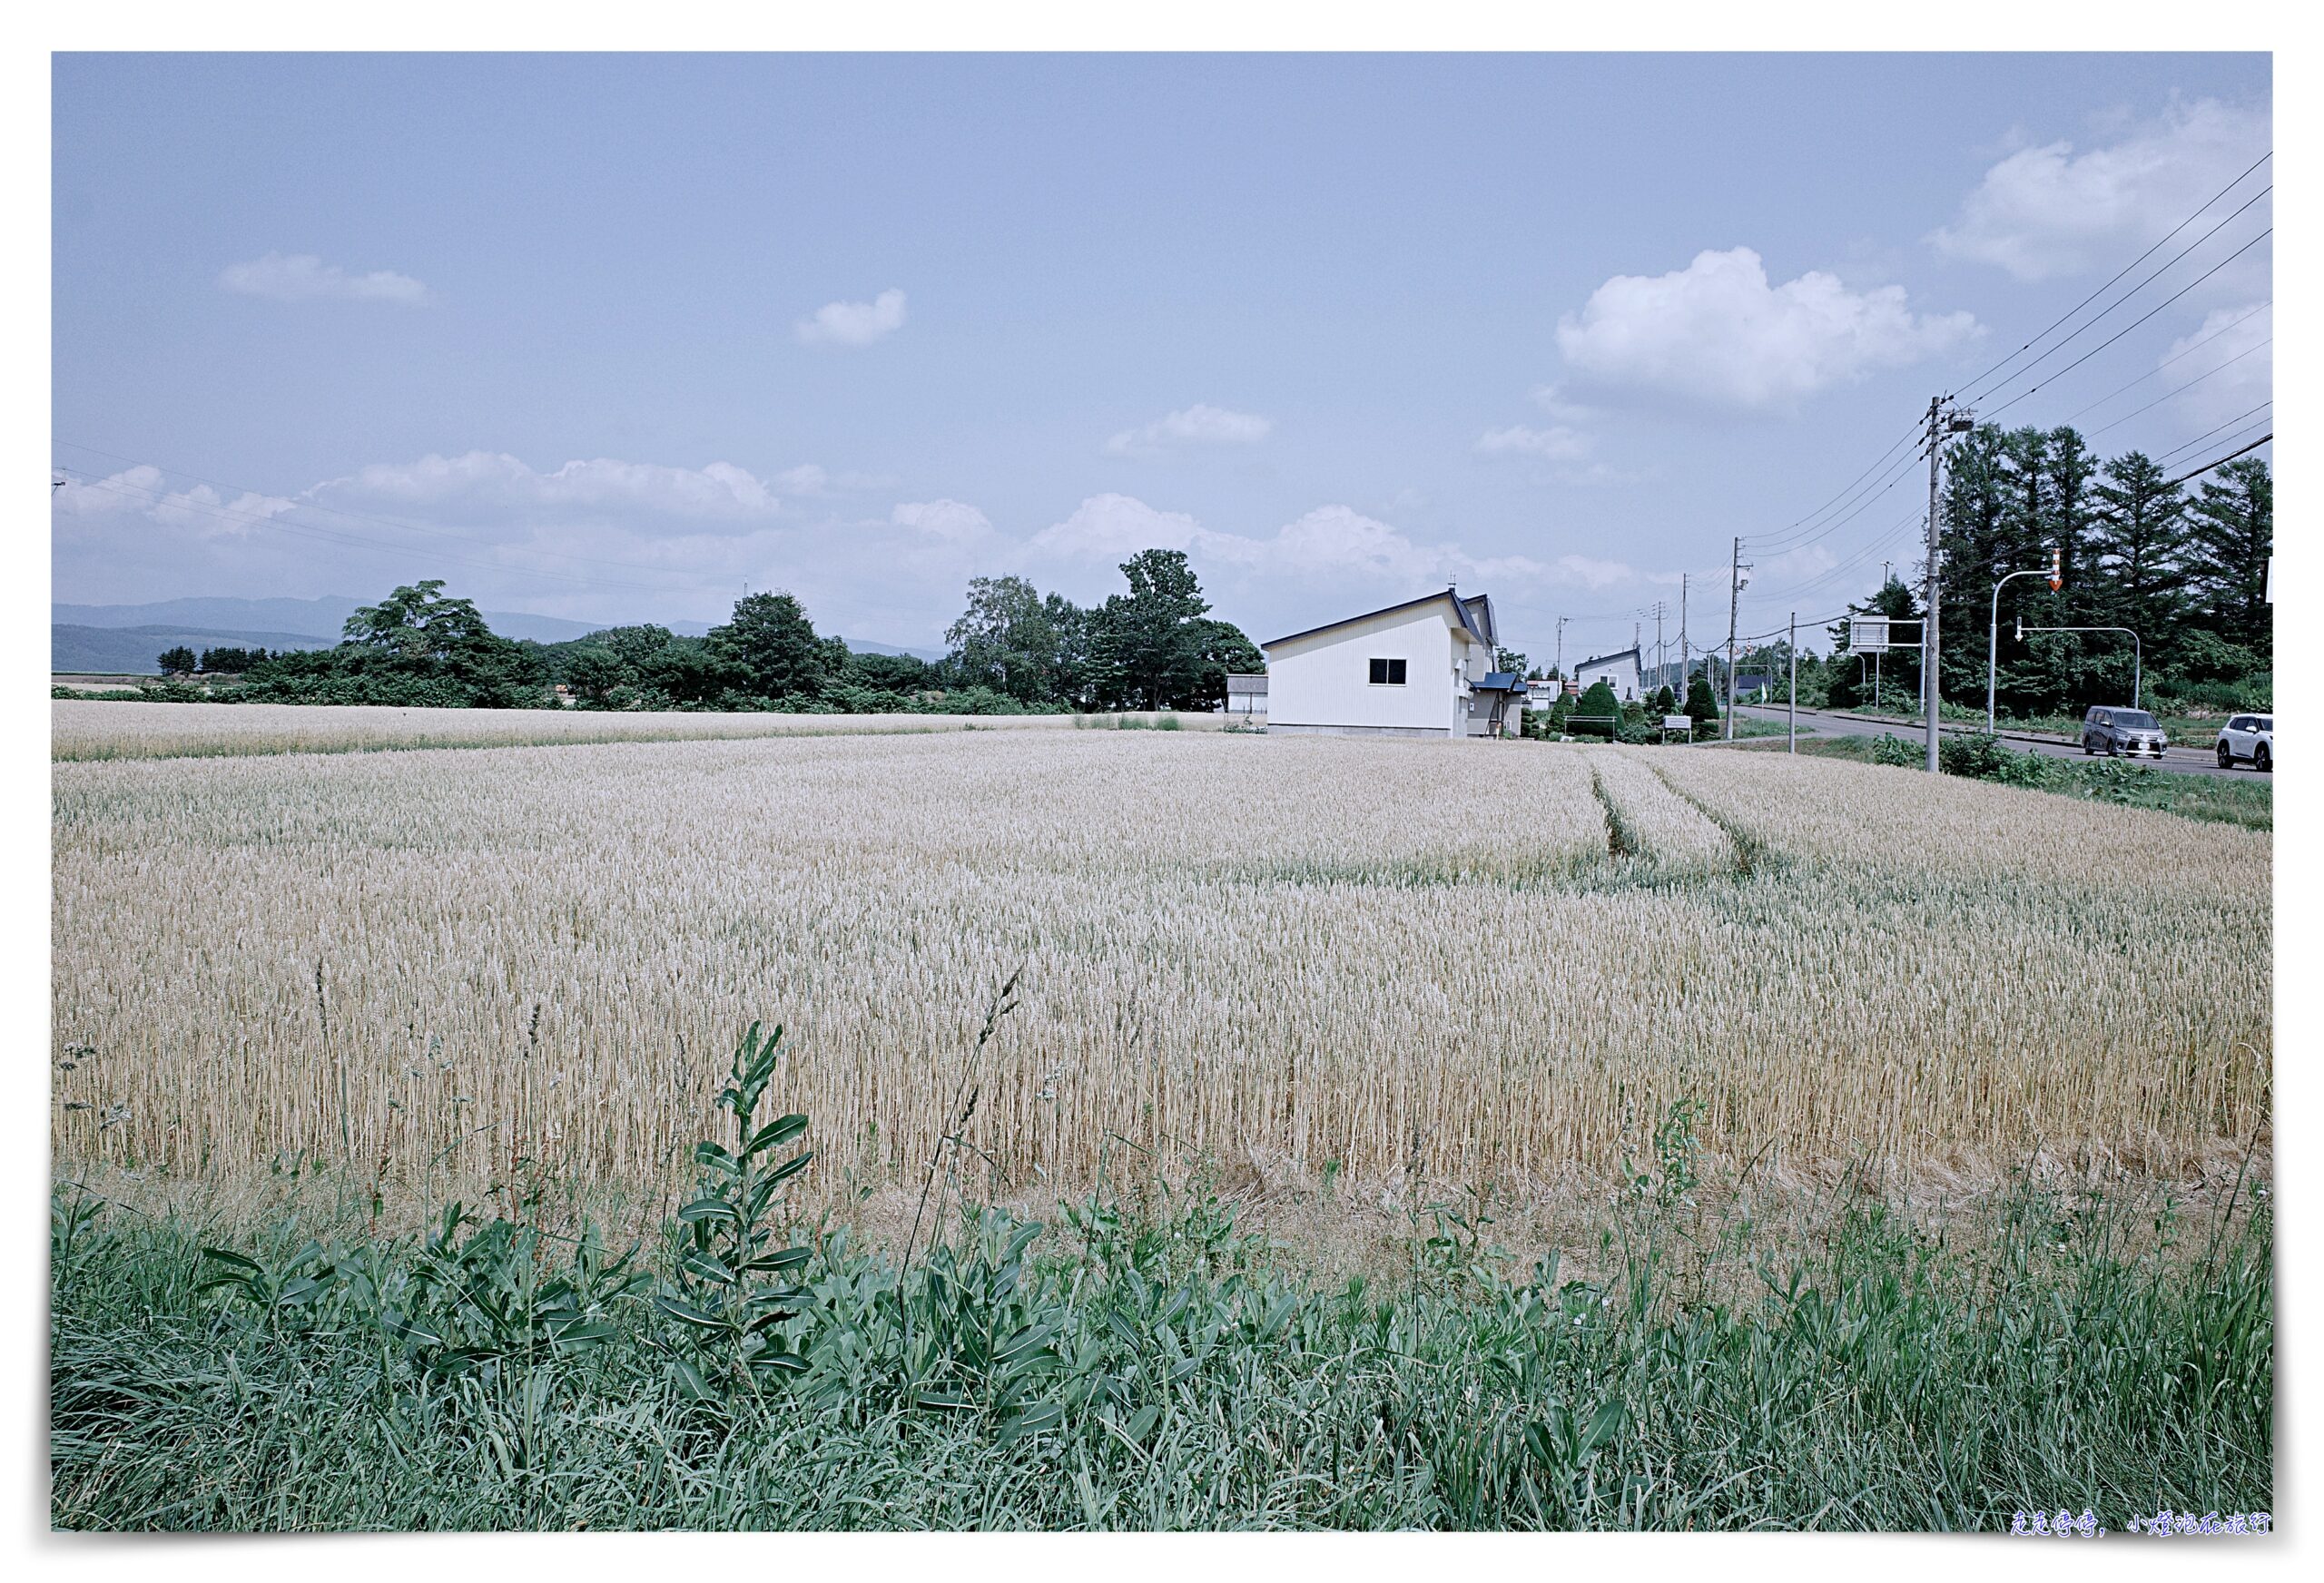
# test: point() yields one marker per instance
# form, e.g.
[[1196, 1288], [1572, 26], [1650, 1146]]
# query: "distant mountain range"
[[138, 649], [129, 637]]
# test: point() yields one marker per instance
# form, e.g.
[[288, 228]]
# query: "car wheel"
[[2086, 749], [2226, 757], [2259, 759]]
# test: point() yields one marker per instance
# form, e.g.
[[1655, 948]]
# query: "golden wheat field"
[[1469, 960], [131, 729]]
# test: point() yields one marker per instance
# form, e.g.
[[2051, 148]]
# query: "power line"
[[2167, 395], [2126, 269], [2220, 462], [2166, 362], [2126, 329], [1779, 540], [2237, 421]]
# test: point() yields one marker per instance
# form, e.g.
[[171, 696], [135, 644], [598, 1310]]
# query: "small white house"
[[1620, 672], [1422, 668]]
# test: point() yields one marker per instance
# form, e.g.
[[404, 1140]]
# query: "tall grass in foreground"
[[1146, 1365]]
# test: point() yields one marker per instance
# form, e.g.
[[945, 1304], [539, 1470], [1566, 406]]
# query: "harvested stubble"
[[82, 730], [1386, 955]]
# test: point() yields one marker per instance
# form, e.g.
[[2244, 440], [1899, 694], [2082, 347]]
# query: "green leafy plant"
[[726, 1291]]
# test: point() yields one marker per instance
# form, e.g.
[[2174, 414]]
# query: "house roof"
[[1629, 653], [1501, 682], [1461, 609]]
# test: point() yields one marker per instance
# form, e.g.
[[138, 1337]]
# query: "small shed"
[[1247, 694]]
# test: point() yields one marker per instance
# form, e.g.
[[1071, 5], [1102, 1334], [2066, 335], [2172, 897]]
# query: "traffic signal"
[[2057, 570]]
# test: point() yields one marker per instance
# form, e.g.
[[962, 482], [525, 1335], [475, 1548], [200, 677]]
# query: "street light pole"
[[1992, 633]]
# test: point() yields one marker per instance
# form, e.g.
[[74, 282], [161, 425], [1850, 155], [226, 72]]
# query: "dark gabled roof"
[[1459, 607], [1476, 604], [1501, 682], [1628, 653]]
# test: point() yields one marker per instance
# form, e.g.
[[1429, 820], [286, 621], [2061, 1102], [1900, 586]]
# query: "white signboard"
[[1867, 634], [1678, 722]]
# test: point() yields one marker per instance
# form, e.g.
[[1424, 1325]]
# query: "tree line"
[[1155, 647], [2185, 569]]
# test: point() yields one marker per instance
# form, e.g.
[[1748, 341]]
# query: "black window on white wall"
[[1387, 672]]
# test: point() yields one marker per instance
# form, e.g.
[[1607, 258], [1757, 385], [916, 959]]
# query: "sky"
[[620, 338]]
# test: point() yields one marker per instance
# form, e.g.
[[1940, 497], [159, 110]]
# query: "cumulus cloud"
[[496, 484], [1195, 426], [950, 521], [144, 492], [1114, 526], [1331, 544], [1717, 332], [304, 276], [2047, 210], [853, 324], [2228, 376], [1556, 443]]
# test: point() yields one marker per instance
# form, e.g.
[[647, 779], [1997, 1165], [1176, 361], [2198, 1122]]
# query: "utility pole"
[[1682, 640], [1560, 667], [1661, 671], [1792, 692], [1734, 598], [1928, 626]]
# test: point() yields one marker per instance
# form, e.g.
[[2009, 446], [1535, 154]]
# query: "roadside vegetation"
[[1141, 1361], [2237, 799]]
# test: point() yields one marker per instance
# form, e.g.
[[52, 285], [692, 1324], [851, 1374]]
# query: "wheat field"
[[1459, 960], [82, 730]]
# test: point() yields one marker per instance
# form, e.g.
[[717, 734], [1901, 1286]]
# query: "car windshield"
[[2136, 718]]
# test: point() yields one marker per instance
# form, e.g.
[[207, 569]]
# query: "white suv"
[[2248, 736]]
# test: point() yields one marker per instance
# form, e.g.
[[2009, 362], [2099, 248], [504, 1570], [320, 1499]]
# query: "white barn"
[[1422, 668], [1620, 672]]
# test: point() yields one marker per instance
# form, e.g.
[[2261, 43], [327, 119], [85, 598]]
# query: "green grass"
[[2247, 799], [2186, 730], [1130, 1369]]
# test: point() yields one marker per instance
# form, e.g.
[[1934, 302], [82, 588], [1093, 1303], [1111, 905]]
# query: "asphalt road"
[[2177, 758]]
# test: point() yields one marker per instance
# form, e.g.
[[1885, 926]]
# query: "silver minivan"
[[2250, 737], [2121, 733]]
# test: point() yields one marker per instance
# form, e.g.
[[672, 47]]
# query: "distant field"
[[126, 729], [1463, 962]]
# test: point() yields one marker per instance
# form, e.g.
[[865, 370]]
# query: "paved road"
[[2179, 760]]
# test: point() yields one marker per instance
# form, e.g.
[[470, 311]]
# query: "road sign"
[[1867, 634]]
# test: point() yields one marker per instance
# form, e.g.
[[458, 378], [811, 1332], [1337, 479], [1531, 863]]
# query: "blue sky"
[[612, 337]]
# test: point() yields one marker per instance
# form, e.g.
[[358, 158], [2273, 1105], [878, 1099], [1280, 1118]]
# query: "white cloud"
[[2047, 210], [1195, 424], [1717, 332], [1553, 400], [304, 276], [1115, 526], [950, 521], [495, 484], [2245, 365], [1556, 443], [853, 323], [1331, 546], [201, 512]]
